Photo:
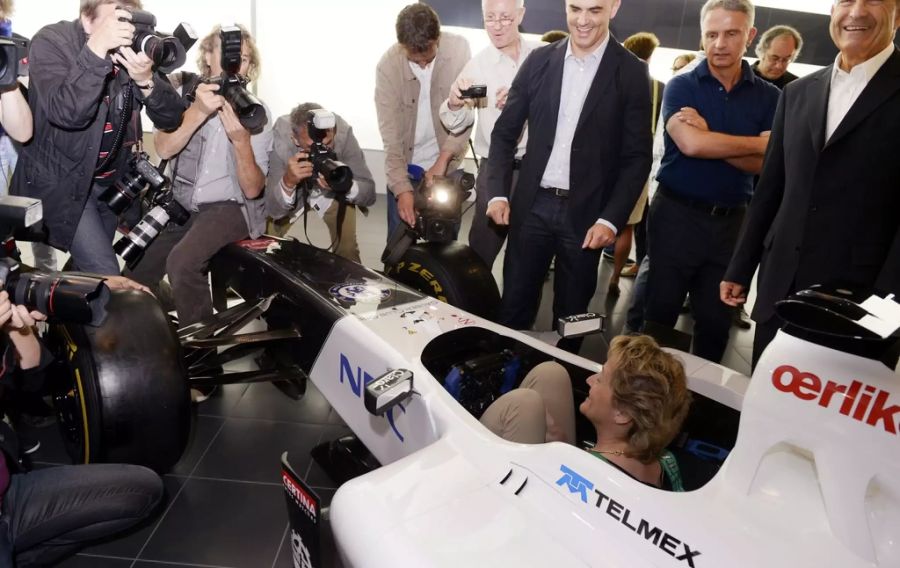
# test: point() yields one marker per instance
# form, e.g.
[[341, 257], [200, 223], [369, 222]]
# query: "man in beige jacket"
[[412, 79]]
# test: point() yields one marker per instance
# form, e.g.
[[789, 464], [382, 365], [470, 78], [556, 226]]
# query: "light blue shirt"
[[578, 75]]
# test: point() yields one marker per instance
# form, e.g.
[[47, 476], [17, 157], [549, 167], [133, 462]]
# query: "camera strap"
[[305, 187], [119, 135]]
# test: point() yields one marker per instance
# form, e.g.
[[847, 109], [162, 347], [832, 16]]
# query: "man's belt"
[[707, 208], [557, 191]]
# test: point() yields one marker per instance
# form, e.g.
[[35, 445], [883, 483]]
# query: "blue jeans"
[[91, 248], [634, 322], [49, 514]]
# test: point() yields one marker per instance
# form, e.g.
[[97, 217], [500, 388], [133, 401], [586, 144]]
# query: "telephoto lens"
[[62, 297], [166, 52], [131, 247]]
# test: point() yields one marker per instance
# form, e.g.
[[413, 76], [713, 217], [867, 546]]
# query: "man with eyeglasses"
[[587, 104], [778, 47], [494, 67], [411, 81]]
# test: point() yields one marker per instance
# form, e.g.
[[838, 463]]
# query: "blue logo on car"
[[576, 483]]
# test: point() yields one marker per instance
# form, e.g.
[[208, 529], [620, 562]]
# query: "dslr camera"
[[233, 87], [13, 58], [324, 160], [161, 205], [167, 52], [61, 297], [438, 214]]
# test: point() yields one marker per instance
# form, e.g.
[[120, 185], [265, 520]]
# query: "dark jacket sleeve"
[[69, 85], [636, 150], [889, 278], [763, 207], [165, 106], [508, 130]]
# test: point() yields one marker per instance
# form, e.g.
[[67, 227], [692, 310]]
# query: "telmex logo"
[[859, 401]]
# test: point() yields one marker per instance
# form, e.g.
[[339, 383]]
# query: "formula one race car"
[[796, 468], [812, 476]]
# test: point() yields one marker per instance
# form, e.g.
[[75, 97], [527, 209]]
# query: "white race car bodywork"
[[813, 480]]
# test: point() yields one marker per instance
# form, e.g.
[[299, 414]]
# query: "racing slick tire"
[[120, 389], [451, 272]]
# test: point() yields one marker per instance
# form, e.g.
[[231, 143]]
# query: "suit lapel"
[[556, 63], [817, 98], [603, 80], [882, 86]]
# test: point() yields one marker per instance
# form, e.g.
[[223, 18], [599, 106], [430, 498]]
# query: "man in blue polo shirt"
[[717, 119]]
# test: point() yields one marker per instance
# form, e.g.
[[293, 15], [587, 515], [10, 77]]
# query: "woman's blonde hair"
[[649, 385]]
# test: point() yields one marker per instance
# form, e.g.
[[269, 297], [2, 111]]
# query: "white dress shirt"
[[496, 70], [578, 75], [846, 87], [425, 148]]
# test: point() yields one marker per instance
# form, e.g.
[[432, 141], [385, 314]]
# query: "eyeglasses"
[[504, 21]]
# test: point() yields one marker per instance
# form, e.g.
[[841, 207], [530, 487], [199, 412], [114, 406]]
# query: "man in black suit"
[[828, 202], [587, 103]]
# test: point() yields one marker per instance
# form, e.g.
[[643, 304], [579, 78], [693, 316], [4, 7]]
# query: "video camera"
[[232, 86], [61, 297], [438, 214], [324, 160], [13, 61], [162, 205], [167, 53]]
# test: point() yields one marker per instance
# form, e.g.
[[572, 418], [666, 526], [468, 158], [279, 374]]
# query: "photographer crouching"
[[311, 144], [48, 514], [87, 88]]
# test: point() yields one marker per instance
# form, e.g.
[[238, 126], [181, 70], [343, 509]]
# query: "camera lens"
[[251, 113], [338, 175], [120, 195], [62, 297], [166, 53]]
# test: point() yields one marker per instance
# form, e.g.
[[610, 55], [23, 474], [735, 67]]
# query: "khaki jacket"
[[396, 99]]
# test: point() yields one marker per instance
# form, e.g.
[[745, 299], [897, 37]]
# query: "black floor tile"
[[250, 450], [82, 561], [265, 401], [222, 401], [221, 523], [203, 432], [129, 544]]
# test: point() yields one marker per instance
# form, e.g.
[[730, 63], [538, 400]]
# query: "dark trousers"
[[50, 513], [640, 237], [92, 245], [486, 237], [691, 250], [765, 333], [184, 254], [393, 214], [545, 233]]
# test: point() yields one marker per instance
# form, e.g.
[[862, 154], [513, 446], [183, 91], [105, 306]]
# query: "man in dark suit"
[[587, 103], [828, 202]]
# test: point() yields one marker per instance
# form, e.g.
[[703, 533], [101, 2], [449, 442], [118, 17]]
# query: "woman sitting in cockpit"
[[636, 404]]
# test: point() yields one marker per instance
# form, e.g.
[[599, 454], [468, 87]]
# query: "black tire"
[[121, 388], [452, 273]]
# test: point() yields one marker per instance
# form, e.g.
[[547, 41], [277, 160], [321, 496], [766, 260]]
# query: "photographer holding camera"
[[291, 172], [219, 171], [48, 514], [87, 88]]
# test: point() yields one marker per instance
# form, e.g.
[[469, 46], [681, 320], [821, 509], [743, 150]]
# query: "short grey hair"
[[765, 40], [300, 116], [744, 6], [519, 4]]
